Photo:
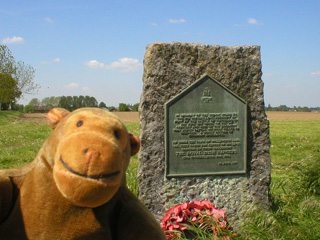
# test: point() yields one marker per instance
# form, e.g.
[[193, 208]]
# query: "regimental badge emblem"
[[206, 96]]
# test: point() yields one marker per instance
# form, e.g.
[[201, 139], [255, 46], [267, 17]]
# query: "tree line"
[[70, 103], [284, 108]]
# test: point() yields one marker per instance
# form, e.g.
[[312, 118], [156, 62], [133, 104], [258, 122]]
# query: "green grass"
[[19, 141], [134, 162], [6, 116], [295, 188]]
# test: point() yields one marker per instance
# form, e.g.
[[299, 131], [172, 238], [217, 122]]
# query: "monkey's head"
[[90, 152]]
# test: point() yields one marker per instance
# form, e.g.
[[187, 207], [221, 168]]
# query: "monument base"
[[169, 69]]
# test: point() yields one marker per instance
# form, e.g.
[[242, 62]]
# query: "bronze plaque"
[[206, 131]]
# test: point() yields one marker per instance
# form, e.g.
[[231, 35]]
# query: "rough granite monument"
[[204, 131]]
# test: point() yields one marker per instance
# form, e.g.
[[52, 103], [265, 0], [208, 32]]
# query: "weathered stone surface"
[[168, 69]]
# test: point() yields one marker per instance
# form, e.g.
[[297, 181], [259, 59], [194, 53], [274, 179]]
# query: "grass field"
[[295, 189]]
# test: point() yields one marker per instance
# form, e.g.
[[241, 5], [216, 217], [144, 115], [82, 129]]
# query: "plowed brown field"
[[293, 116], [41, 117], [134, 116]]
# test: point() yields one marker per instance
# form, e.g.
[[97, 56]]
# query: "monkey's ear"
[[55, 115], [134, 143]]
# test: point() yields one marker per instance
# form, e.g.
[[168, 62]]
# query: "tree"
[[81, 101], [7, 63], [17, 107], [8, 89], [283, 108], [102, 105], [25, 75], [22, 73], [35, 102], [75, 102], [70, 103], [123, 107], [32, 105], [50, 102], [90, 102], [8, 85], [135, 107], [305, 109], [93, 102], [63, 102]]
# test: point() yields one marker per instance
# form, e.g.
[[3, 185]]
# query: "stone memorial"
[[203, 128]]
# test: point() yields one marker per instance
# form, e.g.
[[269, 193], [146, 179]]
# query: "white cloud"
[[72, 85], [125, 64], [315, 74], [250, 21], [86, 89], [49, 20], [94, 64], [13, 40], [56, 60], [177, 20], [254, 21], [153, 24]]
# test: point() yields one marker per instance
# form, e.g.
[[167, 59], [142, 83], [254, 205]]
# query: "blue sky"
[[97, 47]]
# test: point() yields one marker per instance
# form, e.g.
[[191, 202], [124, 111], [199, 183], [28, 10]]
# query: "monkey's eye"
[[79, 123], [117, 134]]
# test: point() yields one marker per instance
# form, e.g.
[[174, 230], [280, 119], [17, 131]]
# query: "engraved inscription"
[[196, 125], [206, 149], [201, 128]]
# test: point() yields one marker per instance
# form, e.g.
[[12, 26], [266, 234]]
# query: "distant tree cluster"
[[16, 79], [284, 108], [75, 102], [135, 107], [70, 103], [128, 107]]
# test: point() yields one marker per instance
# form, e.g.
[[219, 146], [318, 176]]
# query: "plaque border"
[[174, 99]]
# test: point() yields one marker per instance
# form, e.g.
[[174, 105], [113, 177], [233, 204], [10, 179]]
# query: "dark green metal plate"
[[205, 131]]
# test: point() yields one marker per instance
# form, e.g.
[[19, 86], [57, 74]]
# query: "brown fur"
[[76, 188]]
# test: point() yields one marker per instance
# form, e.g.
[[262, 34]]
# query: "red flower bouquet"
[[200, 213]]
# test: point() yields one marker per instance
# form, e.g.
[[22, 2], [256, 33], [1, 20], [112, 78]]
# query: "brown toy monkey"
[[76, 186]]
